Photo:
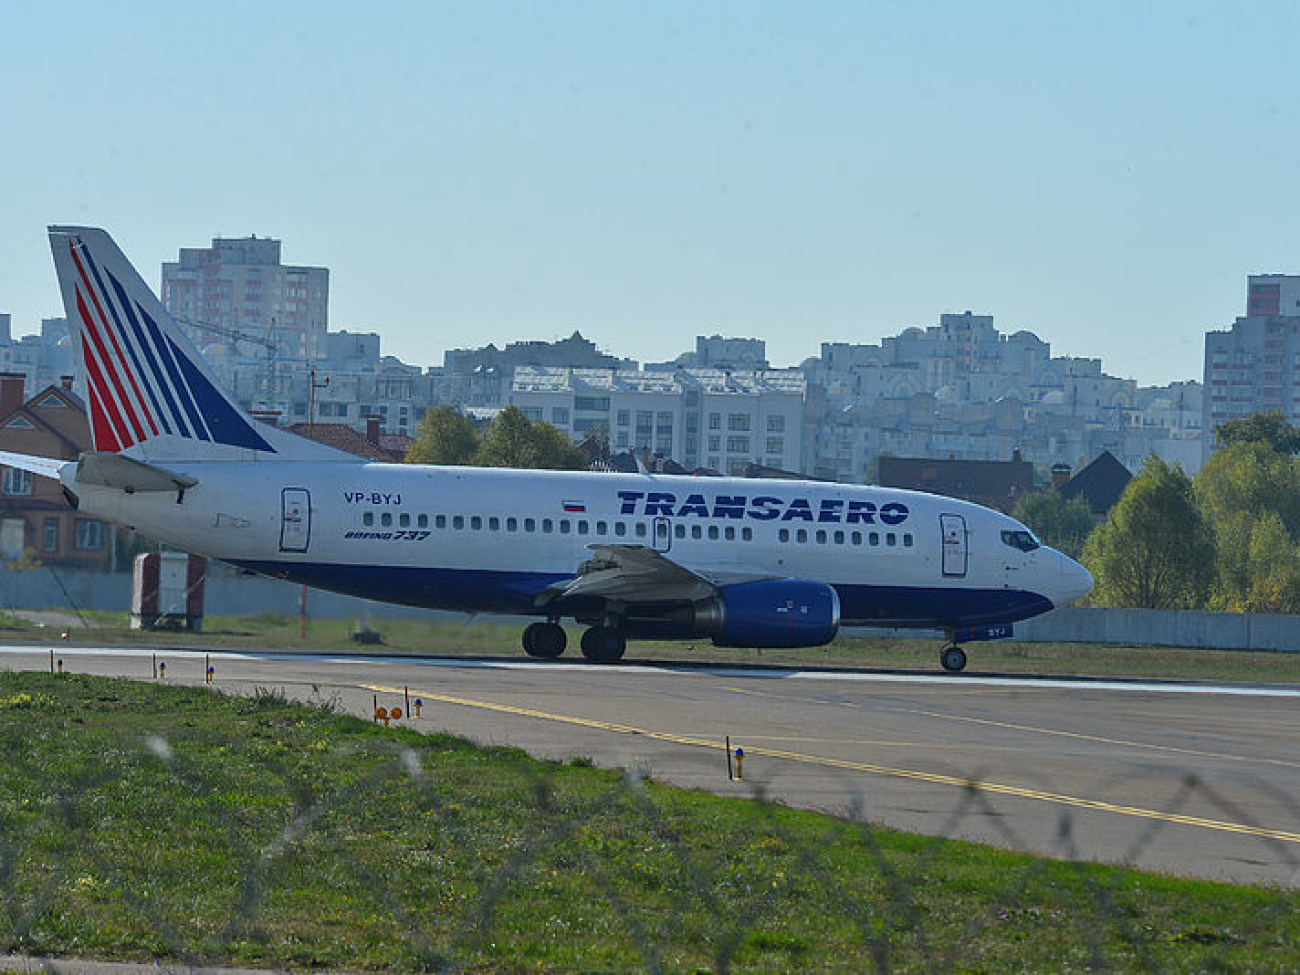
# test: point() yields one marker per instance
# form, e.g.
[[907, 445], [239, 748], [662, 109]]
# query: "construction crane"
[[267, 342]]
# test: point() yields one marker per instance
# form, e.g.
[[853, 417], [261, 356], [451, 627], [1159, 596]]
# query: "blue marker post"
[[740, 764]]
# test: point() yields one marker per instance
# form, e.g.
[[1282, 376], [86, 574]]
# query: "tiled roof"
[[343, 437]]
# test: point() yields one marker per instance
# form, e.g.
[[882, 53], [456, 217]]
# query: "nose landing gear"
[[953, 658]]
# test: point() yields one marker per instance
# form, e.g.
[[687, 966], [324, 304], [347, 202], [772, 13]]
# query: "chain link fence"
[[423, 853]]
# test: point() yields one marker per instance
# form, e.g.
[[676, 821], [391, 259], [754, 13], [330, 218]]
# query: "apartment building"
[[722, 420]]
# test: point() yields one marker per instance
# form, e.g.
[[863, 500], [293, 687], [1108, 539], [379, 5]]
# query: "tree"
[[513, 440], [1155, 550], [1250, 496], [444, 436], [1262, 570], [1269, 428], [1064, 525], [1250, 477]]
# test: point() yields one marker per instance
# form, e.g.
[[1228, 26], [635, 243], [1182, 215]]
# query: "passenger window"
[[747, 534], [601, 528], [907, 541], [821, 536], [494, 524], [857, 538], [547, 526], [530, 524], [640, 529], [440, 521], [697, 531], [512, 524], [368, 518], [891, 539], [582, 527], [620, 529], [386, 519], [404, 520], [679, 530], [839, 538], [422, 521], [476, 522], [783, 535], [564, 526], [729, 533], [801, 535], [458, 522], [875, 538]]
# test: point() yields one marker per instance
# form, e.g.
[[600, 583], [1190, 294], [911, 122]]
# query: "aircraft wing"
[[45, 466], [632, 574]]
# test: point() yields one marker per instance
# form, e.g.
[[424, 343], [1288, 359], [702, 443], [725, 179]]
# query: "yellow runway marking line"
[[1106, 741], [934, 778], [887, 742]]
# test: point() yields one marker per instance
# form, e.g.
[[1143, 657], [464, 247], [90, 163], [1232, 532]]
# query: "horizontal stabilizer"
[[44, 466], [126, 474]]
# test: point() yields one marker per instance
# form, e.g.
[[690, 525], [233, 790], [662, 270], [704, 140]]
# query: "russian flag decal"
[[575, 507]]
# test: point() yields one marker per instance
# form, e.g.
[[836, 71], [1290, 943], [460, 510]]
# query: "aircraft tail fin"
[[150, 393]]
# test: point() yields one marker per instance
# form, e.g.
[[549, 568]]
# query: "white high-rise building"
[[238, 289], [1255, 366]]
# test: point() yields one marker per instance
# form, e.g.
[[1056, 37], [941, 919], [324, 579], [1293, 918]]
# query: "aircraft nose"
[[1075, 581]]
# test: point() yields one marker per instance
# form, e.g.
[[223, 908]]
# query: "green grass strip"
[[179, 825]]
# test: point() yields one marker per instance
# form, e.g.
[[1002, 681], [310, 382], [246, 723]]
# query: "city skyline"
[[497, 172]]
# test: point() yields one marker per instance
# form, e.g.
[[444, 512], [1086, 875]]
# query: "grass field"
[[143, 822], [493, 638]]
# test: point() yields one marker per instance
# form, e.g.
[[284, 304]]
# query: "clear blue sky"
[[1103, 174]]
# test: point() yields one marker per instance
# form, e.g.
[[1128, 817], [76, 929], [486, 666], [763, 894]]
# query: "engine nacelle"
[[770, 613]]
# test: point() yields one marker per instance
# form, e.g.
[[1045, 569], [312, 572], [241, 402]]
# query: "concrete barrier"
[[1144, 627], [228, 593]]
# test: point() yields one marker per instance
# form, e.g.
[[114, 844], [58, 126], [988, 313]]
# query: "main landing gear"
[[600, 644], [546, 640], [953, 658], [603, 644]]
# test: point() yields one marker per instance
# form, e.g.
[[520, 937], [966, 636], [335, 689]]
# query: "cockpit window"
[[1022, 540]]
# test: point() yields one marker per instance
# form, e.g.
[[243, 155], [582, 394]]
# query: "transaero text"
[[762, 507]]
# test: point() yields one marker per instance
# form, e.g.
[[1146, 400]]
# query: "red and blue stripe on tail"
[[146, 381]]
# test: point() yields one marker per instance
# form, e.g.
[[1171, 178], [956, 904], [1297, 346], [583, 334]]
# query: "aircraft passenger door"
[[295, 519], [662, 534], [953, 528]]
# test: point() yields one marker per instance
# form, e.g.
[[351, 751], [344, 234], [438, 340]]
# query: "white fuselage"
[[489, 540]]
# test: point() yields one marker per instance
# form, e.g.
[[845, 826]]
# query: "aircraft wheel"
[[545, 640], [953, 658], [603, 644]]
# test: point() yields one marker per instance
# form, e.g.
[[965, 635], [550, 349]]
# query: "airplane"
[[743, 562]]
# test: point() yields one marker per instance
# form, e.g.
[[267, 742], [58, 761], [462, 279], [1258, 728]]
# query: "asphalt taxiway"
[[1188, 778]]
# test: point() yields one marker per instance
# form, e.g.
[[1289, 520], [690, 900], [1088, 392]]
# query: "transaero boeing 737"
[[742, 562]]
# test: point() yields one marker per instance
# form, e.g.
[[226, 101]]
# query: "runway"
[[1187, 778]]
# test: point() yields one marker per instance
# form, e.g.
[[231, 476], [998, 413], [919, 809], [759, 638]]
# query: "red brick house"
[[35, 518]]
